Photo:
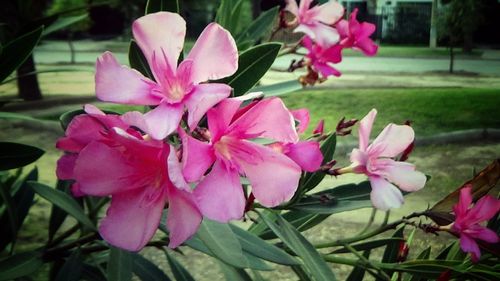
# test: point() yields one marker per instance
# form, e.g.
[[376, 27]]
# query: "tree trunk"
[[433, 32], [452, 59], [468, 42], [71, 48], [27, 83]]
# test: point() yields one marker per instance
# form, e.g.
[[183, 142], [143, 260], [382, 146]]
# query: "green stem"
[[386, 218], [57, 251], [64, 235], [366, 261], [370, 221]]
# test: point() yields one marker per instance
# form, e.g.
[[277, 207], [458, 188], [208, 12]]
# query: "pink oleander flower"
[[273, 176], [321, 59], [468, 221], [320, 128], [375, 161], [356, 35], [305, 153], [105, 157], [316, 22], [161, 38]]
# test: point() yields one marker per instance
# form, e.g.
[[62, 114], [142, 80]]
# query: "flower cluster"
[[166, 157], [327, 34]]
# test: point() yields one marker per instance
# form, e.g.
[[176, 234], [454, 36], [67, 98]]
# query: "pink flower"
[[316, 22], [375, 161], [107, 158], [161, 38], [467, 221], [321, 59], [273, 176], [320, 128], [356, 35]]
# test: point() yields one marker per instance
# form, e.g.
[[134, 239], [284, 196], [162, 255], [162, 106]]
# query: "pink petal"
[[322, 34], [304, 6], [394, 139], [120, 84], [365, 29], [404, 175], [220, 117], [269, 118], [483, 233], [365, 128], [468, 245], [328, 13], [93, 110], [273, 176], [384, 195], [204, 97], [65, 166], [301, 115], [197, 157], [307, 154], [326, 70], [214, 54], [132, 219], [220, 195], [320, 128], [159, 122], [81, 130], [175, 171], [343, 28], [102, 170], [367, 46], [464, 202], [160, 35], [292, 7], [183, 219], [483, 210]]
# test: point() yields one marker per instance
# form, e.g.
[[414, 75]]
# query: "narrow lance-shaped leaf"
[[311, 180], [16, 155], [63, 22], [252, 65], [15, 52], [278, 89], [20, 265], [119, 265], [233, 273], [153, 6], [358, 272], [392, 250], [312, 260], [258, 28], [180, 273], [63, 201], [146, 270], [58, 215], [138, 61], [368, 245], [72, 268]]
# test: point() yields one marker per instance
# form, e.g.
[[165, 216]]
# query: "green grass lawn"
[[431, 110], [416, 52]]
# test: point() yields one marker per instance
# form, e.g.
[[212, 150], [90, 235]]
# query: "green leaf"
[[15, 155], [424, 255], [369, 245], [138, 61], [119, 265], [358, 272], [20, 265], [312, 260], [22, 201], [72, 268], [63, 22], [10, 115], [318, 205], [257, 29], [311, 180], [154, 6], [225, 16], [260, 248], [278, 89], [58, 215], [234, 274], [221, 241], [352, 191], [17, 51], [92, 273], [300, 220], [146, 270], [392, 250], [10, 216], [235, 19], [63, 201], [252, 65], [180, 273]]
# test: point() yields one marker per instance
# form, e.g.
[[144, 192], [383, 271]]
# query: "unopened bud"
[[344, 128]]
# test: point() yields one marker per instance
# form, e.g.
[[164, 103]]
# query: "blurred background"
[[438, 66]]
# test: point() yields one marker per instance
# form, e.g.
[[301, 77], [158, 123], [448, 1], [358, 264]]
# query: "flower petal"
[[220, 117], [268, 118], [403, 175], [273, 176], [204, 97], [464, 202], [120, 84], [306, 154], [175, 171], [214, 47], [365, 129], [328, 13], [301, 115], [102, 170], [322, 34], [159, 122], [220, 195], [484, 209], [384, 195], [183, 219], [291, 6], [65, 166], [480, 232], [468, 245], [132, 219], [394, 139], [197, 157], [367, 46], [160, 35]]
